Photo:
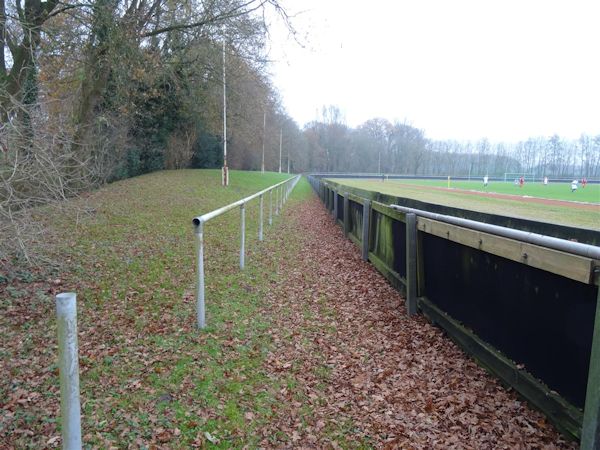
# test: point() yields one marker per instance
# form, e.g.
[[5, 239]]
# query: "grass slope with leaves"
[[309, 346], [148, 377]]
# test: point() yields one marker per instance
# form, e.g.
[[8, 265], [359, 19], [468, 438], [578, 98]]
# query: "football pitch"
[[556, 191], [553, 203]]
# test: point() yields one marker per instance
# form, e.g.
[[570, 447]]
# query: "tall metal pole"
[[280, 140], [288, 158], [262, 167], [225, 173], [68, 369]]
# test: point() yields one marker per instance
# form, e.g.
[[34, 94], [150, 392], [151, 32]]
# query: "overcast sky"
[[459, 69]]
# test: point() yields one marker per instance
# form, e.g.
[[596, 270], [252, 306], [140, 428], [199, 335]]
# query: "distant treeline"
[[381, 146]]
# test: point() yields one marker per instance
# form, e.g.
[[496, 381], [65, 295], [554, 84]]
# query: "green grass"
[[147, 374], [557, 191], [559, 214]]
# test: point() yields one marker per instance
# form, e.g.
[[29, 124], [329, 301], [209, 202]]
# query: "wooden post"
[[411, 263], [346, 214], [590, 436], [365, 229], [335, 205], [420, 265]]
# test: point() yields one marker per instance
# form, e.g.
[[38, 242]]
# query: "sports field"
[[552, 203], [557, 191]]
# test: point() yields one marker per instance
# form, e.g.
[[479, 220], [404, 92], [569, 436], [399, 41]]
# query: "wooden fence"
[[525, 312]]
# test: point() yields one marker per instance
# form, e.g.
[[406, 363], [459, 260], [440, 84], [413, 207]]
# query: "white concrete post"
[[68, 366]]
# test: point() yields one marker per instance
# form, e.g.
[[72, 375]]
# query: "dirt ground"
[[342, 334]]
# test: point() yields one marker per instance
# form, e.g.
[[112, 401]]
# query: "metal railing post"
[[365, 229], [281, 198], [200, 311], [590, 435], [243, 235], [271, 207], [281, 189], [260, 222], [68, 365], [411, 263]]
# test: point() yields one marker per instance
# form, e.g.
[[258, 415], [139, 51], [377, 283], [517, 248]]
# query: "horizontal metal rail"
[[563, 245], [282, 191], [217, 212]]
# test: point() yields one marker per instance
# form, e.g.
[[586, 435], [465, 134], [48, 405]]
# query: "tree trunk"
[[96, 71]]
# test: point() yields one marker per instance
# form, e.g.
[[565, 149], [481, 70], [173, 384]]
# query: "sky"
[[460, 69]]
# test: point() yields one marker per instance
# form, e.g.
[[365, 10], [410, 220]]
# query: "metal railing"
[[563, 245], [282, 191]]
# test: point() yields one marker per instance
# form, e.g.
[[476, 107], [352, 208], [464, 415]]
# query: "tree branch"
[[2, 37], [235, 12]]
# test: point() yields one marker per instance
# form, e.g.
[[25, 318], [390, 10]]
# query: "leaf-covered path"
[[360, 373], [307, 347]]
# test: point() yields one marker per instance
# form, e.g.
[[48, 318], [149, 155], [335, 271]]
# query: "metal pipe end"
[[196, 221]]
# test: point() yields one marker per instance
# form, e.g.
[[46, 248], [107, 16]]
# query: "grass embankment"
[[147, 375], [517, 207]]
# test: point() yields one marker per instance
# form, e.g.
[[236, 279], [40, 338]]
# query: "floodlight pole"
[[280, 141], [225, 171]]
